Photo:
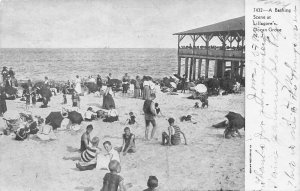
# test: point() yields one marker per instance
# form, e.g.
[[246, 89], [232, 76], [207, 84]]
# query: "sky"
[[107, 23]]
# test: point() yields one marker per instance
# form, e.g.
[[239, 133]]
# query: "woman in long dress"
[[146, 89], [78, 84], [108, 100]]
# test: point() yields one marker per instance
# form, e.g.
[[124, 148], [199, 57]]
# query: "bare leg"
[[153, 131], [146, 132]]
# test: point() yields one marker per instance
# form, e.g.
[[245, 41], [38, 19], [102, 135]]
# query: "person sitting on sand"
[[128, 142], [152, 183], [112, 115], [157, 109], [196, 106], [90, 115], [131, 119], [111, 153], [85, 138], [88, 157], [187, 118], [112, 181], [173, 136]]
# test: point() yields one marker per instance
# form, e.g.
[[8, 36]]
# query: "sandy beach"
[[208, 162]]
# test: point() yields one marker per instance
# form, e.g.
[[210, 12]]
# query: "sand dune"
[[208, 162]]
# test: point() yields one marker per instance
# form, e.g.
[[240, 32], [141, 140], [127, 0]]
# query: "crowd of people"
[[213, 47], [90, 150]]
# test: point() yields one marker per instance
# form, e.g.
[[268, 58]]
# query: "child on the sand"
[[112, 115], [128, 142], [196, 106], [173, 135], [131, 119], [76, 100], [112, 181], [187, 118], [90, 115], [112, 153], [157, 109], [152, 183]]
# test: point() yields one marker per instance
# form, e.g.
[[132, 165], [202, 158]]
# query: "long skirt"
[[137, 93], [146, 93], [108, 100], [3, 107]]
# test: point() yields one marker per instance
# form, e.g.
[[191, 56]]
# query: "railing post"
[[199, 67]]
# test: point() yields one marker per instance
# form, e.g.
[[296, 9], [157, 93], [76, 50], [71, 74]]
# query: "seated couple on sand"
[[92, 157], [173, 135], [112, 115]]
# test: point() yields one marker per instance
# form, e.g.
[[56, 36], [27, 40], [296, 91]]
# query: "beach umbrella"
[[39, 85], [92, 87], [173, 84], [201, 88], [236, 120], [177, 76], [75, 117], [10, 90], [54, 119], [45, 92]]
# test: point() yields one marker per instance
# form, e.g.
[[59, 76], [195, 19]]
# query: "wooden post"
[[194, 69], [232, 69], [242, 69], [199, 67], [216, 68], [186, 67], [179, 66], [206, 67], [223, 67], [191, 69]]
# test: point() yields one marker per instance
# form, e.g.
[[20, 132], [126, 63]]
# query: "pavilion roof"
[[236, 24]]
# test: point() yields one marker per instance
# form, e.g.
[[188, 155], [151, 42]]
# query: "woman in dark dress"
[[108, 100], [3, 107]]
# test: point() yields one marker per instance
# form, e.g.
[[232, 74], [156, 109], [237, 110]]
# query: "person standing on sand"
[[99, 82], [85, 138], [150, 113], [146, 88], [137, 87], [78, 84], [109, 77], [108, 100], [3, 107]]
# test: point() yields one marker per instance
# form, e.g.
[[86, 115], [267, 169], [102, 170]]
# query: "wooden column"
[[199, 67], [180, 37], [232, 69], [206, 67], [216, 68], [242, 69], [179, 66], [194, 69], [191, 69], [223, 67], [186, 67]]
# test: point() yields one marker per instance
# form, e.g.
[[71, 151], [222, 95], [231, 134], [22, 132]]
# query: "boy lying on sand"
[[152, 183], [173, 138]]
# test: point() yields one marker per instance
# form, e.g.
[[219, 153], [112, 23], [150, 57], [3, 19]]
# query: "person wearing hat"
[[183, 81], [11, 72], [4, 74], [173, 135], [108, 100]]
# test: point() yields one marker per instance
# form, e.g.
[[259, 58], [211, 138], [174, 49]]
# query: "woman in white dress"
[[78, 84]]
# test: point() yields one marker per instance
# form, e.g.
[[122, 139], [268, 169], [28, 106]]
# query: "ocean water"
[[65, 64]]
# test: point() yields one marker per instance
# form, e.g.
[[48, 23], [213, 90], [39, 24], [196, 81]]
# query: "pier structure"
[[228, 59]]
